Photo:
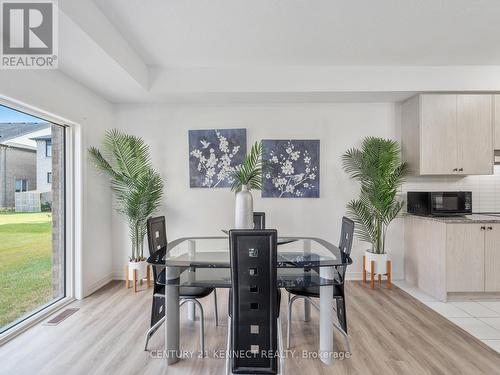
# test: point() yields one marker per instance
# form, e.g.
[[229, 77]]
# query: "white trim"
[[73, 207], [34, 319], [118, 275], [34, 111], [74, 212], [98, 284]]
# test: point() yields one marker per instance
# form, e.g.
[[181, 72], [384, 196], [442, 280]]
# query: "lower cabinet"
[[492, 258], [465, 257], [443, 257]]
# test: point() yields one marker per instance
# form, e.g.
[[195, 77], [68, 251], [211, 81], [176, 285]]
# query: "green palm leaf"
[[249, 173], [137, 188], [378, 168]]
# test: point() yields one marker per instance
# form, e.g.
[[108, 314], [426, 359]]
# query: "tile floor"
[[480, 318]]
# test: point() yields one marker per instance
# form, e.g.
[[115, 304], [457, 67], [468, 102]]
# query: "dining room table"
[[205, 262]]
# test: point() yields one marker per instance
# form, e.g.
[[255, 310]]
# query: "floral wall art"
[[293, 169], [213, 154]]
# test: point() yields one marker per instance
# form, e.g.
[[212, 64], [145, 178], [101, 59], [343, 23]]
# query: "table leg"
[[326, 338], [191, 313], [307, 304], [172, 322], [191, 307]]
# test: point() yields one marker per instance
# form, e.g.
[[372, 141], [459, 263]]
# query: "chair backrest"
[[157, 242], [346, 235], [254, 302], [345, 244], [259, 220]]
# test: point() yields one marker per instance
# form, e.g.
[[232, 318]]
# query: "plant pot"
[[243, 209], [380, 262], [140, 267]]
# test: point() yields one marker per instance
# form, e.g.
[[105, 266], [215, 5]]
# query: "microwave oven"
[[439, 203]]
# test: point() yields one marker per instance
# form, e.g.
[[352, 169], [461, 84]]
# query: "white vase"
[[140, 267], [380, 262], [243, 209]]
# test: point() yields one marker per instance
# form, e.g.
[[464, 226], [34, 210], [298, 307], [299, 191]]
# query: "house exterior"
[[43, 162], [19, 160]]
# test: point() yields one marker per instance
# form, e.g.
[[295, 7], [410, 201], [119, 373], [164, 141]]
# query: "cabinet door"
[[465, 257], [496, 115], [475, 134], [492, 259], [438, 132]]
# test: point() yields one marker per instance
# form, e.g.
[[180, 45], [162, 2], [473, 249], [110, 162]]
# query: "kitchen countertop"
[[474, 218]]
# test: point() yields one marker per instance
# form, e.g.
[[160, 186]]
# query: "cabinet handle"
[[460, 169], [483, 228], [490, 228], [455, 169]]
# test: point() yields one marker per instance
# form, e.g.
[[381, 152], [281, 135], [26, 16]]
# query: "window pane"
[[21, 185], [32, 250]]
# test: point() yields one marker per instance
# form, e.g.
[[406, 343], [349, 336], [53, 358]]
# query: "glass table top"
[[205, 261], [221, 278], [293, 252]]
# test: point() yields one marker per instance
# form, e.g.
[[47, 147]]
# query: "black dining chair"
[[254, 327], [157, 241], [259, 220], [307, 293]]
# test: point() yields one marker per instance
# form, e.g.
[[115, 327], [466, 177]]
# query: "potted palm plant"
[[247, 177], [380, 171], [137, 187]]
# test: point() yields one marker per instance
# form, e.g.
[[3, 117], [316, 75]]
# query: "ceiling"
[[125, 49], [180, 33]]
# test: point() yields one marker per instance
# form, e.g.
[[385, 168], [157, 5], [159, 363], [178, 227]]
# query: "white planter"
[[380, 262], [243, 209], [141, 268]]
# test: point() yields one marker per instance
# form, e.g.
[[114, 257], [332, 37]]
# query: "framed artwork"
[[213, 154], [293, 168]]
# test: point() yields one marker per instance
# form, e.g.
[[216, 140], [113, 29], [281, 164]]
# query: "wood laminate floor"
[[391, 333]]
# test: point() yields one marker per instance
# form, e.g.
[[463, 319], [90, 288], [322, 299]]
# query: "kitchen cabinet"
[[465, 257], [448, 258], [496, 115], [448, 134], [492, 258], [475, 133]]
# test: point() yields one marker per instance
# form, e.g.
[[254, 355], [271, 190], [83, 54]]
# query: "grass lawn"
[[25, 263]]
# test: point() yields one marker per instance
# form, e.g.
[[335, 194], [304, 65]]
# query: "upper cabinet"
[[496, 115], [448, 134]]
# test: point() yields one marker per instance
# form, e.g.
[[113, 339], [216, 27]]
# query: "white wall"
[[485, 189], [55, 93], [207, 211]]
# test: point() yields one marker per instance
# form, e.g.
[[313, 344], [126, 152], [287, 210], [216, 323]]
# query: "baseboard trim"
[[97, 285], [118, 275]]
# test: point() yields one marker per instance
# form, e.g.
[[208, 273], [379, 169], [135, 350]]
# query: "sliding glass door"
[[32, 215]]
